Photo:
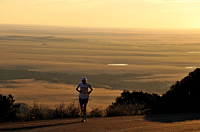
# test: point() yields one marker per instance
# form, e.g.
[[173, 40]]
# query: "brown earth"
[[154, 123]]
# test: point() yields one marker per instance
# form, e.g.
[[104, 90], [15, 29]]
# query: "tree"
[[8, 110], [184, 95], [133, 103]]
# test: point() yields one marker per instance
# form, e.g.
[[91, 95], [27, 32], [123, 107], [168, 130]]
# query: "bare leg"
[[82, 112], [85, 110], [83, 104], [82, 107]]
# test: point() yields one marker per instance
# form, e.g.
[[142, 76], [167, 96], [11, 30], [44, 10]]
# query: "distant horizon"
[[150, 14], [196, 30]]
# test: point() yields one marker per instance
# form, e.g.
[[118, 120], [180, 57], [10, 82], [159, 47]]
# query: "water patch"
[[190, 67], [117, 64], [193, 52]]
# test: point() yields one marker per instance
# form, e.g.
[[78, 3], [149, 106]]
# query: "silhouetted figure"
[[83, 89]]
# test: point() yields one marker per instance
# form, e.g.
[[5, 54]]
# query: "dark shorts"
[[83, 101]]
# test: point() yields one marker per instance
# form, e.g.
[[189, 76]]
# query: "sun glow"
[[93, 13]]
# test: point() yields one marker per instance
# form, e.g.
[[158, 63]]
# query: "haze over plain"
[[155, 41], [162, 14]]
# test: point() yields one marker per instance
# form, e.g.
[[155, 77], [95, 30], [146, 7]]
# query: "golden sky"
[[103, 13]]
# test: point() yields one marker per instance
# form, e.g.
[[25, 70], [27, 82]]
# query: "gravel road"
[[150, 123]]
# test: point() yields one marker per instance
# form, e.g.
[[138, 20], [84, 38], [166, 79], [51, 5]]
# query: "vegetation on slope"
[[182, 97]]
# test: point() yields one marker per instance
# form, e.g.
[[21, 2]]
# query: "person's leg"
[[85, 105], [81, 105], [84, 111]]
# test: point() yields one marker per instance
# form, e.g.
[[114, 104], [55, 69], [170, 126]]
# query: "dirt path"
[[167, 123]]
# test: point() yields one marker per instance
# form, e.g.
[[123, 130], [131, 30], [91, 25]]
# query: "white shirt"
[[84, 88]]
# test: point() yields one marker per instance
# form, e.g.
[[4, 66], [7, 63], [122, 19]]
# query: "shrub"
[[63, 111], [8, 110], [133, 103], [59, 111], [37, 112], [96, 112], [72, 110], [125, 109]]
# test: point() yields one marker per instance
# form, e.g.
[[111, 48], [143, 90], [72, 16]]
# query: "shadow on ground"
[[170, 118], [36, 126]]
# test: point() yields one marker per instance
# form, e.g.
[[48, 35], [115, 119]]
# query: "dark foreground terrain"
[[167, 123]]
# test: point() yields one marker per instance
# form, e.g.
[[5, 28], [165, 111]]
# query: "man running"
[[83, 89]]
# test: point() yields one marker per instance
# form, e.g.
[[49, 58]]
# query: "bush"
[[63, 111], [97, 113], [8, 110], [59, 111], [133, 103], [72, 110], [37, 112], [125, 109]]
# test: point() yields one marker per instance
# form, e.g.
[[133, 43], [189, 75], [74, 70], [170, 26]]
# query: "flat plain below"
[[133, 59], [50, 95]]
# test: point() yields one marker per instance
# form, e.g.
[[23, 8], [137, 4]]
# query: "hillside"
[[183, 96]]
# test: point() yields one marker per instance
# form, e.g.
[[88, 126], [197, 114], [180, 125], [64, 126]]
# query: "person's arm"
[[91, 89], [78, 89]]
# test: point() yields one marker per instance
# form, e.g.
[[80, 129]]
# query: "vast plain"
[[111, 59]]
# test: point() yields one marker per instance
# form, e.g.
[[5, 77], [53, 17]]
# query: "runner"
[[83, 89]]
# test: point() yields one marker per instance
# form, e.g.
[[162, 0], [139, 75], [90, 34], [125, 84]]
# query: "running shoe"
[[83, 120]]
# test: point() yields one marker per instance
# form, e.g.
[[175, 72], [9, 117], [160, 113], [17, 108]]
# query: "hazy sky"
[[103, 13]]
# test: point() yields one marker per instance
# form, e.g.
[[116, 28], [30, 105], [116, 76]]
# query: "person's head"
[[84, 80]]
